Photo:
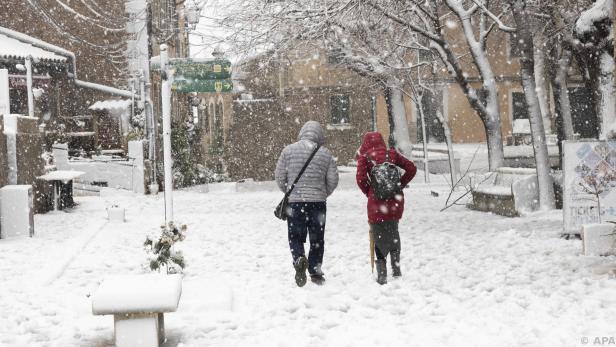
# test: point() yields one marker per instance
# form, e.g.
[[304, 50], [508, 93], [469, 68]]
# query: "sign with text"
[[589, 183], [210, 70], [202, 86]]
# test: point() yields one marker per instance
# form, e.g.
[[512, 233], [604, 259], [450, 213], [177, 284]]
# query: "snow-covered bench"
[[138, 304], [507, 191]]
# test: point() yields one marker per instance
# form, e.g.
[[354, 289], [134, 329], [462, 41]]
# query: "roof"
[[111, 105], [11, 47]]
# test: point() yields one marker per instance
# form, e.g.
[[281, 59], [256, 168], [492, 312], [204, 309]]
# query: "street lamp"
[[192, 12]]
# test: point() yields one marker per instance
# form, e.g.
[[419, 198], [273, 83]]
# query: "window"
[[515, 46], [519, 109], [341, 109], [432, 105]]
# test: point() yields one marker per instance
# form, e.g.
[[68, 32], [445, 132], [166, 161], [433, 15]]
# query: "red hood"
[[373, 141]]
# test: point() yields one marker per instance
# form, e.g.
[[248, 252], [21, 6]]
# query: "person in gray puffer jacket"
[[307, 203]]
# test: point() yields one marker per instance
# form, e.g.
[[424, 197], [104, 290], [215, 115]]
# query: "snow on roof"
[[602, 9], [11, 47], [111, 105]]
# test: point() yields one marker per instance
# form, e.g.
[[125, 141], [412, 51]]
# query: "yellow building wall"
[[382, 119]]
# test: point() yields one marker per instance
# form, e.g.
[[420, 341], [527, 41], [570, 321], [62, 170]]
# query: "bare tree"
[[546, 190], [595, 55], [356, 36], [429, 19]]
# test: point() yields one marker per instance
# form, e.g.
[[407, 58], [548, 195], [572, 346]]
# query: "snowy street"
[[469, 278]]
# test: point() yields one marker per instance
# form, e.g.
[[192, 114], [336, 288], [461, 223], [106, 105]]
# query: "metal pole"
[[425, 140], [195, 111], [423, 126], [5, 99], [29, 86], [167, 80]]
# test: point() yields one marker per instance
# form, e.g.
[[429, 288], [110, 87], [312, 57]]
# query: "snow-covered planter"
[[507, 191], [161, 248], [599, 239], [116, 214]]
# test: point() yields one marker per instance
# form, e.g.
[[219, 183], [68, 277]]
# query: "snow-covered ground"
[[469, 278]]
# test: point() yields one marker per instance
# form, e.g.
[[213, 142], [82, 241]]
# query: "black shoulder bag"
[[281, 210]]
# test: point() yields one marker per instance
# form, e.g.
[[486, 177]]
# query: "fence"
[[126, 174]]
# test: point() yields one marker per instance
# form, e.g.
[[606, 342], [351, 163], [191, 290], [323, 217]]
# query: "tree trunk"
[[542, 85], [400, 129], [562, 93], [452, 160], [391, 141], [564, 122], [546, 189], [491, 118]]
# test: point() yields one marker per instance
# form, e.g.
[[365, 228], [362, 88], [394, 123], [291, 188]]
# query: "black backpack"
[[385, 179]]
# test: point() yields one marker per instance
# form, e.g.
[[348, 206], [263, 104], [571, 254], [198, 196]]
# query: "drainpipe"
[[105, 89]]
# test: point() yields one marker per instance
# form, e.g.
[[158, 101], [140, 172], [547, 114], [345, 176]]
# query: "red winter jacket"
[[373, 147]]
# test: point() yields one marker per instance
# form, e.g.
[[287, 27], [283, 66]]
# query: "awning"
[[111, 105], [15, 49]]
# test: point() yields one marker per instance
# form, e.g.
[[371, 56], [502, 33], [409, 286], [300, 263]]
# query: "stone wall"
[[262, 128], [256, 138], [304, 104]]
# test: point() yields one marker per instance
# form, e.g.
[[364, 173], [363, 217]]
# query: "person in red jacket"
[[383, 215]]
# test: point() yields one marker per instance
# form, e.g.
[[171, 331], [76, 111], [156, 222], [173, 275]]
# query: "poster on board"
[[589, 183]]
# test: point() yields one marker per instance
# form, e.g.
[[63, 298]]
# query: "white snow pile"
[[601, 10], [469, 278]]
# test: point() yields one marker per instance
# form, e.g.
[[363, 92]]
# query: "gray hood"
[[312, 131]]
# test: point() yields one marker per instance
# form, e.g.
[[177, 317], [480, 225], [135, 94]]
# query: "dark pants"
[[386, 239], [307, 218]]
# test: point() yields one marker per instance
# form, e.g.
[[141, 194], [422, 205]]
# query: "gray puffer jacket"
[[321, 176]]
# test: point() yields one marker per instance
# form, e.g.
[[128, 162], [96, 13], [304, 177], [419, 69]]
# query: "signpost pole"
[[29, 86], [5, 100], [167, 81]]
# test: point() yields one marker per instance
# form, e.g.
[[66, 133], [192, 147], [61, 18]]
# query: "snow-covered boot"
[[317, 279], [395, 264], [381, 270], [300, 265]]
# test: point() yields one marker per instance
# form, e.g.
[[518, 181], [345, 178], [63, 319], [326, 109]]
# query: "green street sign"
[[202, 86], [217, 69], [211, 69]]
